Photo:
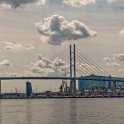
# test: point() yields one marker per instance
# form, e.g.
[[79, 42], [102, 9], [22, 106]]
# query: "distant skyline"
[[32, 31]]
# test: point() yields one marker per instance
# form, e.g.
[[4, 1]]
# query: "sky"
[[33, 31]]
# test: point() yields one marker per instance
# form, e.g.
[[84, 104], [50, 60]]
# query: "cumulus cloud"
[[46, 60], [113, 64], [115, 57], [122, 32], [107, 59], [16, 46], [18, 3], [56, 29], [5, 6], [60, 65], [41, 66], [115, 60], [78, 3], [41, 71], [44, 65], [119, 57], [6, 63], [59, 62], [28, 73]]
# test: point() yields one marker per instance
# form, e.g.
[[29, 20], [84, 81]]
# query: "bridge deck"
[[100, 78]]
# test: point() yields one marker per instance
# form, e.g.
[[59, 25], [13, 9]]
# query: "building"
[[87, 84], [28, 89]]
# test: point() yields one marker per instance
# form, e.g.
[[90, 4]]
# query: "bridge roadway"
[[99, 78], [94, 78]]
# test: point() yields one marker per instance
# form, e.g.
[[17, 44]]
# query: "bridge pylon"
[[72, 70]]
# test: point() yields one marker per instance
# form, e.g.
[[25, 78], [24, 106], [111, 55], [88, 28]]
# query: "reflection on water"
[[29, 112], [73, 111], [0, 112], [62, 111]]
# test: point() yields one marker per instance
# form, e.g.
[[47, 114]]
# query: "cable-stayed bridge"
[[80, 67]]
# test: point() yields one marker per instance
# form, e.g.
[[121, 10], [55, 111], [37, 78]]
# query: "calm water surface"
[[62, 111]]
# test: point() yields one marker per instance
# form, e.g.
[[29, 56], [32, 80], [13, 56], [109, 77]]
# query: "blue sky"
[[20, 42]]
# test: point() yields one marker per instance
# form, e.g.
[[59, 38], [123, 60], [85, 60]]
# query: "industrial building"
[[28, 89], [87, 84]]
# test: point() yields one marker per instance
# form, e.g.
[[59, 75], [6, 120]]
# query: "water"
[[62, 111]]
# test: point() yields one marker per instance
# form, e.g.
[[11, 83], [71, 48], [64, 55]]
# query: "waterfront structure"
[[88, 84], [81, 64], [28, 89], [0, 88]]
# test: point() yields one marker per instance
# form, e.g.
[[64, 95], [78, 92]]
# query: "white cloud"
[[60, 65], [113, 64], [115, 57], [45, 66], [119, 57], [107, 59], [122, 32], [16, 46], [78, 3], [42, 66], [59, 62], [6, 63], [115, 60], [5, 6], [18, 3], [56, 30], [41, 70], [28, 73], [46, 60], [28, 47]]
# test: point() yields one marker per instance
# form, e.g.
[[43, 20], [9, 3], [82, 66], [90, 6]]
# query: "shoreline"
[[63, 97]]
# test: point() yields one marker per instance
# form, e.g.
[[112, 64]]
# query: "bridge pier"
[[114, 86], [0, 88], [110, 85], [71, 86]]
